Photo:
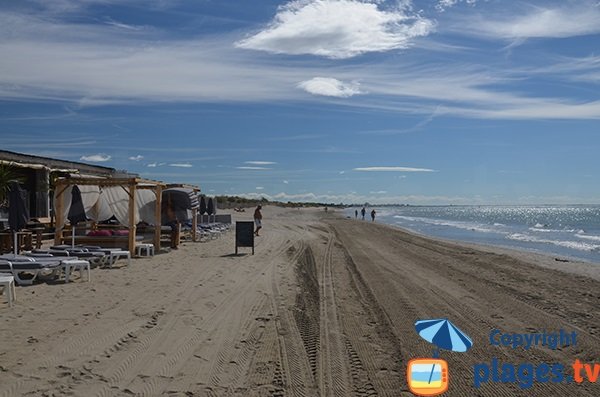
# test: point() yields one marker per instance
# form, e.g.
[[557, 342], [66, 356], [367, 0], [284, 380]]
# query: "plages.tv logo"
[[429, 376]]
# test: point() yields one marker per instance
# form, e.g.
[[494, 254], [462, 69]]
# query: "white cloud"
[[379, 192], [338, 29], [328, 86], [96, 158], [260, 162], [136, 158], [286, 182], [151, 165], [442, 5], [181, 165], [393, 169], [92, 65], [252, 168], [259, 188], [570, 21]]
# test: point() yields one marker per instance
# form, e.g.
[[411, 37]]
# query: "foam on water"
[[567, 244], [572, 230]]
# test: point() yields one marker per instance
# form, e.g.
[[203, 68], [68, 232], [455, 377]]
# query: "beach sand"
[[325, 307]]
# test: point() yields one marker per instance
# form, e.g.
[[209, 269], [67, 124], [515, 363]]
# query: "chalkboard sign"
[[244, 235]]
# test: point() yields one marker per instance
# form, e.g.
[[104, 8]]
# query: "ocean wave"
[[476, 227], [586, 237], [544, 230], [576, 245]]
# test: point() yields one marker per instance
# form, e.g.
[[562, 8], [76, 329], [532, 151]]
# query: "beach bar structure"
[[34, 174], [130, 186]]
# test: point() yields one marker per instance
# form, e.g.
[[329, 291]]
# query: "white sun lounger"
[[35, 267]]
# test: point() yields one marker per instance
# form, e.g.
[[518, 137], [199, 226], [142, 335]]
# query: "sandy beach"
[[325, 307]]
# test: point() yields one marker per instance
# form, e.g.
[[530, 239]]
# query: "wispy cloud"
[[393, 169], [355, 198], [260, 162], [259, 188], [151, 165], [181, 165], [96, 158], [252, 168], [92, 65], [286, 182], [338, 29], [301, 137], [136, 158], [568, 20], [120, 25], [328, 86], [442, 5]]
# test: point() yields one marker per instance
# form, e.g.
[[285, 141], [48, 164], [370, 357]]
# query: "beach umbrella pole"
[[16, 242], [73, 236]]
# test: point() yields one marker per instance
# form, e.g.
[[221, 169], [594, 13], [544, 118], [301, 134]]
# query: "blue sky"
[[422, 102]]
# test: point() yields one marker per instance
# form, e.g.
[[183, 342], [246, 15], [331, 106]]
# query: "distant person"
[[325, 209], [373, 215], [257, 219], [363, 212], [355, 214]]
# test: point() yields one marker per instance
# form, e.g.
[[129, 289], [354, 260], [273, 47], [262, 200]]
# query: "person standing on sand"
[[362, 212], [257, 220], [373, 215], [355, 214]]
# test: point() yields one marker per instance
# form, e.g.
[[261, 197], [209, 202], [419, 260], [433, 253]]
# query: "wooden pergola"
[[129, 185]]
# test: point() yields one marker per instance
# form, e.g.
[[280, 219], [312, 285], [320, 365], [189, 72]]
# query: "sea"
[[571, 231]]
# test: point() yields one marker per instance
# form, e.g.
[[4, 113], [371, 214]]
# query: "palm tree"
[[7, 175]]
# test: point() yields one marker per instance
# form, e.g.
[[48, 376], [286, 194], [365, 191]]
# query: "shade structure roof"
[[181, 198]]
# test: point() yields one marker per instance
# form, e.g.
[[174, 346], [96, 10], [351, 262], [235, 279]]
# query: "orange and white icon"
[[427, 376]]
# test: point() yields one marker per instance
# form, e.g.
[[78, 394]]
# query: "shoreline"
[[574, 248], [565, 263]]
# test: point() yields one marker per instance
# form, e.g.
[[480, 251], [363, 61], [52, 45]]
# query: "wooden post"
[[132, 225], [194, 224], [58, 213], [157, 216], [96, 212]]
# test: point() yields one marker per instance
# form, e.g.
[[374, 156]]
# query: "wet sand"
[[325, 307]]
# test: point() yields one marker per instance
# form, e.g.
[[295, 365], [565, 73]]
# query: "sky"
[[353, 101]]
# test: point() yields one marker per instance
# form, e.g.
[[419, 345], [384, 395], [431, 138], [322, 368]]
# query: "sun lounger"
[[18, 266], [96, 258]]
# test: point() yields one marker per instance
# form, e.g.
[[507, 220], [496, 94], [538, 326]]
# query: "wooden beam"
[[111, 182], [58, 214], [194, 224], [132, 225], [157, 216]]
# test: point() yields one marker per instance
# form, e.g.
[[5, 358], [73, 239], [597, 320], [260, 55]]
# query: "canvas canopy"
[[129, 200]]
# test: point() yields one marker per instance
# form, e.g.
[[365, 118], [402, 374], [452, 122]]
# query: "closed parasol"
[[18, 213]]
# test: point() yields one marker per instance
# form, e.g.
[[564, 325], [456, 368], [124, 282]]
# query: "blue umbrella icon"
[[444, 335]]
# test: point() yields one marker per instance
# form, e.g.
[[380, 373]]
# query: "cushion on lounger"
[[99, 233]]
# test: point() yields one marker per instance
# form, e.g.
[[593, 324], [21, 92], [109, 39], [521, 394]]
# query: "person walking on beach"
[[373, 215], [362, 212], [355, 214], [257, 220]]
